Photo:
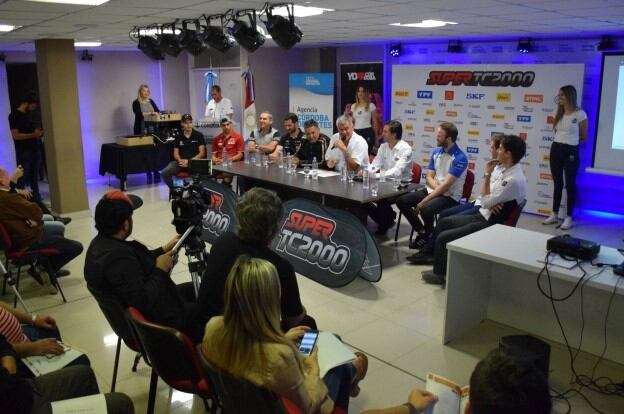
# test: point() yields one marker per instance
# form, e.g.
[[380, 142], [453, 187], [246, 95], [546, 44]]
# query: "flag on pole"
[[249, 111], [211, 79]]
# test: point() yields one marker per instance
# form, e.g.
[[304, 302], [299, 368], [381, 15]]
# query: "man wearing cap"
[[189, 145], [132, 273], [233, 143]]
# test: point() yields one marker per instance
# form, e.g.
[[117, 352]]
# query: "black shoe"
[[382, 230], [421, 258], [64, 220], [35, 275], [63, 273], [419, 242], [430, 277]]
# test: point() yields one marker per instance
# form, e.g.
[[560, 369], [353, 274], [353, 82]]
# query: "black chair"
[[115, 314]]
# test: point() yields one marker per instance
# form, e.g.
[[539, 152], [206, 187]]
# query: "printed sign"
[[312, 97]]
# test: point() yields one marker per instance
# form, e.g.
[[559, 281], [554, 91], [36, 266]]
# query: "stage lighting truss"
[[192, 39], [284, 31], [395, 50], [246, 34], [216, 36], [146, 41], [169, 39]]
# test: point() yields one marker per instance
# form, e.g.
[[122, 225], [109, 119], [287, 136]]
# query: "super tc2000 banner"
[[485, 100]]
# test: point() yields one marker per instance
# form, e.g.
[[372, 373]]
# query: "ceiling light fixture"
[[87, 44], [169, 42], [283, 30], [425, 24], [76, 2], [216, 36], [7, 27], [299, 11], [146, 43], [192, 40], [525, 45], [395, 50], [246, 34]]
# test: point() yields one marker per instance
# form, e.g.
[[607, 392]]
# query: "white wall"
[[7, 151]]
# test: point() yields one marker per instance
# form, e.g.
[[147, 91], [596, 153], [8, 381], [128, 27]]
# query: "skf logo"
[[546, 157], [429, 129], [449, 95], [498, 116], [471, 165], [307, 237], [550, 120], [359, 76], [523, 118], [503, 97], [533, 98], [523, 136], [451, 114], [430, 112], [548, 138], [401, 93], [545, 176], [424, 94], [215, 221], [409, 127], [472, 150], [475, 96], [473, 132]]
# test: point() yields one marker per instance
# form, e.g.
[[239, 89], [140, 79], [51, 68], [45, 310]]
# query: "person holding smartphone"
[[247, 343]]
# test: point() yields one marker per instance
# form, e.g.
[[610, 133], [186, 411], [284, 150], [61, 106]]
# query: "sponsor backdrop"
[[312, 97], [353, 75], [220, 217], [485, 100]]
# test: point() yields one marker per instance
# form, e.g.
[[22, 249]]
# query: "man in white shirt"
[[218, 107], [498, 200], [346, 148], [264, 138], [394, 158]]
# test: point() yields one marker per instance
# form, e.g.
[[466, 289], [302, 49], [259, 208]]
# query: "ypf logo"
[[215, 220], [424, 94], [360, 76], [308, 237], [523, 118]]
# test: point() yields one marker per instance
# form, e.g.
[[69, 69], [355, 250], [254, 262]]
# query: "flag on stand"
[[211, 79], [249, 111]]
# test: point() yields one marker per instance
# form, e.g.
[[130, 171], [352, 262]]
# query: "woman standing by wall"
[[144, 106], [365, 115]]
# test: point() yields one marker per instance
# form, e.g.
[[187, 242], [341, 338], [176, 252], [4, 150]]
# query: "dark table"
[[121, 160], [323, 187]]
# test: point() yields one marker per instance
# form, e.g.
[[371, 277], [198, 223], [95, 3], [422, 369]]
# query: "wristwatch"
[[487, 174], [33, 317], [412, 409]]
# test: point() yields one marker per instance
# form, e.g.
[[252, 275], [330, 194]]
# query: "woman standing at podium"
[[144, 106]]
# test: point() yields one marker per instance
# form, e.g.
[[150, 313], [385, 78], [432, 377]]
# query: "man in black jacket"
[[137, 276]]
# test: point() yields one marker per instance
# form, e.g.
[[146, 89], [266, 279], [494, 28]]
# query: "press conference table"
[[323, 187]]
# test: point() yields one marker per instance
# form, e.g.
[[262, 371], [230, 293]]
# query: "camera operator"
[[135, 275]]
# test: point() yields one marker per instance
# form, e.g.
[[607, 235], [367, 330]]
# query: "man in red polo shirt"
[[233, 143]]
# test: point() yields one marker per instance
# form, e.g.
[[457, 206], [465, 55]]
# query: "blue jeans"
[[31, 163], [338, 381]]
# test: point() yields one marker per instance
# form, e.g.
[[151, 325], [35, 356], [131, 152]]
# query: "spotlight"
[[169, 40], [283, 30], [192, 40], [606, 43], [455, 46], [85, 56], [215, 36], [150, 47], [395, 50], [247, 35], [525, 45]]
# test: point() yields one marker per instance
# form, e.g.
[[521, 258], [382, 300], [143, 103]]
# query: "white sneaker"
[[47, 286], [552, 219], [567, 223]]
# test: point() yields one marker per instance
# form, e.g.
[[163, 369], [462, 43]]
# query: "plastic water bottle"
[[365, 179], [314, 171], [280, 159], [224, 157], [343, 173], [287, 148], [246, 156], [289, 168], [382, 175]]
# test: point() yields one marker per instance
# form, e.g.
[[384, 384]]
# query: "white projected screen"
[[609, 152]]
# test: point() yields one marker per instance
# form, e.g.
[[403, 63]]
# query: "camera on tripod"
[[190, 203]]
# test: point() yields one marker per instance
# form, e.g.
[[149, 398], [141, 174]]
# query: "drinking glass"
[[306, 171]]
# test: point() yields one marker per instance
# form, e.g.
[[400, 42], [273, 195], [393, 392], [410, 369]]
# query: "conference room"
[[108, 86]]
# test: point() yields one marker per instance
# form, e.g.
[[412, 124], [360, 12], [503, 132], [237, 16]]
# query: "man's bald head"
[[5, 178]]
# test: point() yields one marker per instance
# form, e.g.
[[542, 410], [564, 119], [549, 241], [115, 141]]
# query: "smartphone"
[[307, 342], [179, 243]]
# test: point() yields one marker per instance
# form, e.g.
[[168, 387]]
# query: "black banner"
[[221, 214], [369, 75], [327, 245]]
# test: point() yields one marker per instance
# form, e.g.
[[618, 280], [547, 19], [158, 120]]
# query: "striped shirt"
[[10, 327]]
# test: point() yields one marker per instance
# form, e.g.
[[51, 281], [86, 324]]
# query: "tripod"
[[195, 250], [11, 282]]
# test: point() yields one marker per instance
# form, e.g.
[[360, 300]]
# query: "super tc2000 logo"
[[215, 220], [478, 78], [307, 237]]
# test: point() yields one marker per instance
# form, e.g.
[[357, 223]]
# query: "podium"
[[163, 124]]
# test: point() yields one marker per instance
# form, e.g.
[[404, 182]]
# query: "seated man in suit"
[[498, 199]]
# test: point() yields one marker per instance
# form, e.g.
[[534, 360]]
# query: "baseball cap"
[[113, 209], [225, 120], [187, 117]]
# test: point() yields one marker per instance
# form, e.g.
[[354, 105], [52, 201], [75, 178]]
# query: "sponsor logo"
[[425, 161], [544, 166], [426, 119], [473, 132], [429, 129], [458, 123], [409, 127], [412, 104], [458, 105], [548, 138], [449, 95], [481, 78], [472, 157], [474, 123], [491, 107], [523, 118], [509, 108], [546, 157], [498, 116], [427, 145], [451, 114], [527, 109], [548, 110], [474, 106], [409, 118], [308, 237], [545, 176], [360, 76], [544, 147], [471, 165], [509, 126], [473, 140], [411, 135], [216, 221], [424, 94], [430, 112], [426, 136], [523, 136], [472, 150], [475, 96], [550, 120], [527, 127], [473, 115], [526, 164], [401, 93], [540, 202], [545, 212], [543, 194], [503, 97], [491, 125], [409, 111], [533, 98], [427, 104], [442, 104], [397, 102]]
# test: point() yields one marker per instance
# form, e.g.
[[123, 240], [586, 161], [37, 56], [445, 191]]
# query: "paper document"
[[452, 398], [92, 404], [40, 365], [332, 352]]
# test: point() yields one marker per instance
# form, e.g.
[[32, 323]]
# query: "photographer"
[[137, 276]]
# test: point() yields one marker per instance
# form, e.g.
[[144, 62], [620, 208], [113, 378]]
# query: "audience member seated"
[[257, 213], [23, 220], [233, 143], [498, 199], [19, 395], [291, 141], [265, 138], [445, 181], [394, 158], [247, 343], [132, 273], [500, 383], [313, 146], [189, 145]]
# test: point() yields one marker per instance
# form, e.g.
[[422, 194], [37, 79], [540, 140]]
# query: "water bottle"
[[246, 156], [287, 148], [224, 157], [289, 168], [343, 172], [280, 159], [365, 179], [382, 175], [314, 171]]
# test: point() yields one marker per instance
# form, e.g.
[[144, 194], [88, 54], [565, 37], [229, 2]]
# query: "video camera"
[[190, 203]]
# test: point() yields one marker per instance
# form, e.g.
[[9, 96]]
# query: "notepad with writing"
[[332, 352], [92, 404], [452, 398], [44, 364]]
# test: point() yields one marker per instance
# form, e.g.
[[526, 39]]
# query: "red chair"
[[468, 184], [174, 358], [514, 216], [416, 174], [26, 257]]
